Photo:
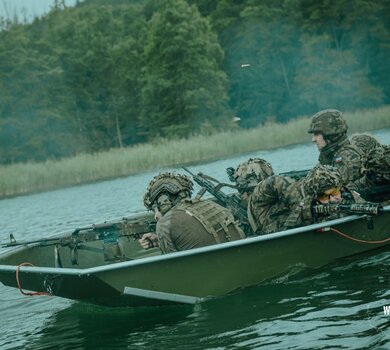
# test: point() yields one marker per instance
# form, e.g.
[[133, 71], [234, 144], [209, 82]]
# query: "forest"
[[112, 74]]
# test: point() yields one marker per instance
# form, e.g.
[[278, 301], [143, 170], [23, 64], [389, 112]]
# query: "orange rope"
[[354, 239], [19, 286]]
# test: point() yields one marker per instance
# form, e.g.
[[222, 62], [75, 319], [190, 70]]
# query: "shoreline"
[[30, 178]]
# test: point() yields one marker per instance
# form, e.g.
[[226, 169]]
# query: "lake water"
[[337, 307]]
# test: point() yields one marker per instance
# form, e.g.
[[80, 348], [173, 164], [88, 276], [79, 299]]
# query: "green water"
[[339, 306]]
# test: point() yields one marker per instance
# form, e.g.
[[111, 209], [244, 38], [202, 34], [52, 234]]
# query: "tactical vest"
[[216, 220]]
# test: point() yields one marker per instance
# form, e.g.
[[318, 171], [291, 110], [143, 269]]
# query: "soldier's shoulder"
[[346, 153]]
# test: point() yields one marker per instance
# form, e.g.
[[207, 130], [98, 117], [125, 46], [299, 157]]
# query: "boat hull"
[[194, 275]]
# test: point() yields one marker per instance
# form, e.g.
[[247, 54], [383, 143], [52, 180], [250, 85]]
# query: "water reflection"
[[84, 326]]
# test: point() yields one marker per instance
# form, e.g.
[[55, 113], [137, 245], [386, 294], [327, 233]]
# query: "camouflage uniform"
[[188, 224], [249, 173], [338, 152], [272, 202], [279, 202], [376, 174], [246, 176], [364, 142]]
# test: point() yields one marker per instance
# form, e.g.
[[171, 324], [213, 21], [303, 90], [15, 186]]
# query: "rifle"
[[108, 232], [361, 209], [232, 202], [296, 174]]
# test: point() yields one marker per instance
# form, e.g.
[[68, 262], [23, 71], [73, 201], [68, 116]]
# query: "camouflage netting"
[[320, 179], [168, 182], [248, 174], [365, 142], [328, 122], [377, 163]]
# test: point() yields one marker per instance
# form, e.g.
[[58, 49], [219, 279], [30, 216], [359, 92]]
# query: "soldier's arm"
[[164, 234]]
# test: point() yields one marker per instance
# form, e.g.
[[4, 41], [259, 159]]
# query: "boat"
[[104, 264]]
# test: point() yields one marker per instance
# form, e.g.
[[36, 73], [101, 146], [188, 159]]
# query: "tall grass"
[[31, 177]]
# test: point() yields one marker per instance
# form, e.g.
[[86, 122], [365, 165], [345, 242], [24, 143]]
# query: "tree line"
[[104, 74]]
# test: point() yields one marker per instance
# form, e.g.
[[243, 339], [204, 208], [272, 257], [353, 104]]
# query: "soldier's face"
[[163, 203], [318, 139], [333, 195]]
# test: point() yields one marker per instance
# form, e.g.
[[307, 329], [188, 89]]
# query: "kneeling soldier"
[[186, 223]]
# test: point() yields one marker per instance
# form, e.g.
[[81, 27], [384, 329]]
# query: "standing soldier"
[[185, 223], [329, 131]]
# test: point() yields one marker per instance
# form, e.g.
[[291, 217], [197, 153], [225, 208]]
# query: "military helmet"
[[364, 142], [248, 174], [328, 122], [377, 163], [168, 182], [322, 178]]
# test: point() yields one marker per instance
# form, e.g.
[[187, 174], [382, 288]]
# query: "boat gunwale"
[[178, 255]]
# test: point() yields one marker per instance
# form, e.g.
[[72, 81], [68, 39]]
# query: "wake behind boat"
[[104, 264]]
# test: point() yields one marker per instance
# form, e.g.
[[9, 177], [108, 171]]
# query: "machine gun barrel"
[[127, 227], [296, 174]]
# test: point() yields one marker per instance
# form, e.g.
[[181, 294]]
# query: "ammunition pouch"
[[216, 220]]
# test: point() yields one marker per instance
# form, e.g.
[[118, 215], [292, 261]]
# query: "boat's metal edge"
[[176, 255], [171, 297]]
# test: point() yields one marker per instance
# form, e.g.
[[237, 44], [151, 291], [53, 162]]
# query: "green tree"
[[184, 87], [332, 73]]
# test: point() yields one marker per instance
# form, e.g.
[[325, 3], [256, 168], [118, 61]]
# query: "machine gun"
[[232, 202], [361, 209], [108, 232]]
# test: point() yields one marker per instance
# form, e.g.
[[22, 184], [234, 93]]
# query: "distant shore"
[[19, 179]]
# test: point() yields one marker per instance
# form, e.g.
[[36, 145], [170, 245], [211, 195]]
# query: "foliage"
[[31, 177], [104, 75], [183, 83]]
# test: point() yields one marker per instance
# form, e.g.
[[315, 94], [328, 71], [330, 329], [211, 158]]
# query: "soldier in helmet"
[[329, 131], [246, 177], [248, 174], [279, 202], [185, 223], [375, 182]]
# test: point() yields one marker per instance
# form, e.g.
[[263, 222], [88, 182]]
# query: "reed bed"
[[25, 178]]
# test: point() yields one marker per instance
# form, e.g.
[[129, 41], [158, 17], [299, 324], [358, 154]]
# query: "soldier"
[[279, 202], [329, 131], [185, 223], [375, 182], [246, 176], [364, 142]]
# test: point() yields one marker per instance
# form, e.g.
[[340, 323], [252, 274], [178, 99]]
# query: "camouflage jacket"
[[276, 204], [344, 156], [279, 203]]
